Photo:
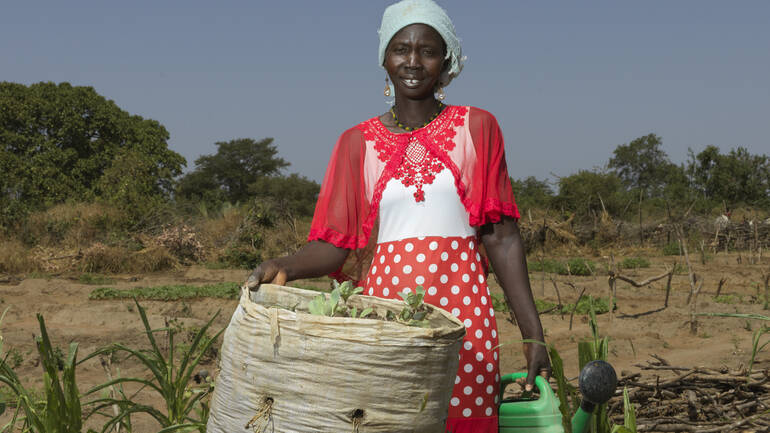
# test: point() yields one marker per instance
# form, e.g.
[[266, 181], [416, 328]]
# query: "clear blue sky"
[[568, 81]]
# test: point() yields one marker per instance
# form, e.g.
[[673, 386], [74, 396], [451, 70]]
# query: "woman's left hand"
[[537, 363]]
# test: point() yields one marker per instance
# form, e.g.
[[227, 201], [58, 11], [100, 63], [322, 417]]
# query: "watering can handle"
[[540, 382]]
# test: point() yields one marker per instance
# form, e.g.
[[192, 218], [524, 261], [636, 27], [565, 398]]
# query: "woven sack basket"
[[284, 370]]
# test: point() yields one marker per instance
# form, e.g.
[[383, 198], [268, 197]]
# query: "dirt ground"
[[638, 328]]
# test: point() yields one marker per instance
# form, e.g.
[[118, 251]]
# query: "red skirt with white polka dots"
[[450, 271]]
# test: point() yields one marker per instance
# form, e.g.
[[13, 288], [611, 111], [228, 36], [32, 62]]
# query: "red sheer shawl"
[[467, 140]]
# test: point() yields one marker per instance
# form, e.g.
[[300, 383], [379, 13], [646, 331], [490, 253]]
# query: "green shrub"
[[671, 249], [548, 265], [543, 305], [634, 263], [601, 306], [574, 266], [580, 266]]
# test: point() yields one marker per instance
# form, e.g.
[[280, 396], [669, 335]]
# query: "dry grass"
[[152, 259], [216, 233], [54, 259], [286, 238], [72, 225], [103, 258], [15, 258], [109, 259]]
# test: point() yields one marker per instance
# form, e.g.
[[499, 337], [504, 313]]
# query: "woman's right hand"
[[269, 272], [314, 259]]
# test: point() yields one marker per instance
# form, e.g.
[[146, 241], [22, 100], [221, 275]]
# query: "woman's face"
[[414, 60]]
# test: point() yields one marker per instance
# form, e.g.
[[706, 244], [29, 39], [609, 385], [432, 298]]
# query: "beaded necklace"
[[409, 128]]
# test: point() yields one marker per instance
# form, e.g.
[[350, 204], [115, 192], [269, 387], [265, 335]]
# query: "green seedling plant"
[[629, 416], [347, 290], [756, 347], [336, 303], [119, 393], [596, 348], [60, 411], [321, 306], [171, 377], [414, 313]]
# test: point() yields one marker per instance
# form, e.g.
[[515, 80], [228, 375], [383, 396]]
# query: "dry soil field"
[[635, 336]]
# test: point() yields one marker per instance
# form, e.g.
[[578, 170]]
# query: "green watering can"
[[597, 383]]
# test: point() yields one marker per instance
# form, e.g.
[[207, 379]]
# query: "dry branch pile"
[[680, 399]]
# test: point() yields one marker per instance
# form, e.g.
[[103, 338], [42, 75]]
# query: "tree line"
[[641, 171], [62, 143]]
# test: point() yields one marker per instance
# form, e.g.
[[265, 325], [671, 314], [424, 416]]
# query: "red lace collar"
[[415, 157], [449, 117]]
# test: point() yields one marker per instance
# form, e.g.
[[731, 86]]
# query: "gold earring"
[[387, 87], [441, 94]]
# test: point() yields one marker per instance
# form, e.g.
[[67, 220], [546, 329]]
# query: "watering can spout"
[[597, 383]]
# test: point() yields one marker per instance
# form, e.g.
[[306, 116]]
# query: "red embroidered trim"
[[492, 211], [444, 158], [391, 147], [387, 174], [419, 163], [339, 240], [419, 168]]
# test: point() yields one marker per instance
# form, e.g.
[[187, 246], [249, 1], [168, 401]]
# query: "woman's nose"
[[413, 60]]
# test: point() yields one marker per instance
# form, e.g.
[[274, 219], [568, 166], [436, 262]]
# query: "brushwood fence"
[[714, 236]]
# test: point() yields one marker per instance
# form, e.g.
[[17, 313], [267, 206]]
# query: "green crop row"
[[169, 293], [600, 306], [573, 266]]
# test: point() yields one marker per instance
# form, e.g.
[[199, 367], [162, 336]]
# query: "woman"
[[433, 178]]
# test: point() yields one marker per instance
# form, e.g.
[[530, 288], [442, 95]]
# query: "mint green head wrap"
[[406, 12]]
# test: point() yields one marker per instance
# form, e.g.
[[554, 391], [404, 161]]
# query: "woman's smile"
[[411, 83]]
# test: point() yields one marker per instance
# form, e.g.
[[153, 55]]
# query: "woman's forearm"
[[505, 250], [314, 259]]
